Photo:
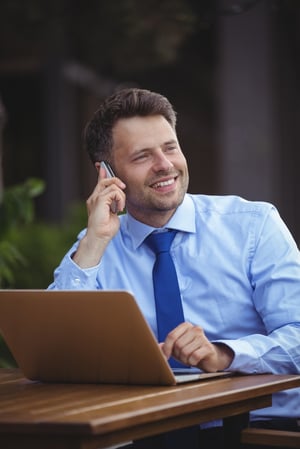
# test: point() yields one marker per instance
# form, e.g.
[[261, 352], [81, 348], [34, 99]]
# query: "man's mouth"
[[160, 184]]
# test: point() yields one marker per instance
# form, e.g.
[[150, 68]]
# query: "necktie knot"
[[160, 242]]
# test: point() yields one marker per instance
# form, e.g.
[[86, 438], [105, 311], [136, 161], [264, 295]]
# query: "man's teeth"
[[164, 183]]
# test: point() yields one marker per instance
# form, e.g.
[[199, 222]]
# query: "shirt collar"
[[183, 220]]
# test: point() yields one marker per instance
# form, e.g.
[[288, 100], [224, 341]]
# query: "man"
[[237, 264]]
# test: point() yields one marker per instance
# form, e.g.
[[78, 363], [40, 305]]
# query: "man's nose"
[[162, 162]]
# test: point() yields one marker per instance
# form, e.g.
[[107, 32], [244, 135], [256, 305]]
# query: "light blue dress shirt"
[[239, 274]]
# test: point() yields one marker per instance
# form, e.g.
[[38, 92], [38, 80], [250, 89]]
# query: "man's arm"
[[103, 224], [79, 267], [275, 278]]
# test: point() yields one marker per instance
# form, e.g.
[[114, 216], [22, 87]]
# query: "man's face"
[[148, 159]]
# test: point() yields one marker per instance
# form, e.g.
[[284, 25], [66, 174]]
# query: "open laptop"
[[84, 337]]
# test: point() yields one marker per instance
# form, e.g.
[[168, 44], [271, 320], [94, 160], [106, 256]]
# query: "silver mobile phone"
[[110, 174], [109, 170]]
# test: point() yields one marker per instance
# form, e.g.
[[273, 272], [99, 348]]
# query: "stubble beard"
[[147, 205]]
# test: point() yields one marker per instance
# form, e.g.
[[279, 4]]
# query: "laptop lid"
[[83, 337]]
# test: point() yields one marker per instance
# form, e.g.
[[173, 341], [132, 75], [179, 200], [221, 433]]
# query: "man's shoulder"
[[229, 204]]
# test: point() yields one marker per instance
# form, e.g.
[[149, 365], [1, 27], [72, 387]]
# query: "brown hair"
[[125, 103]]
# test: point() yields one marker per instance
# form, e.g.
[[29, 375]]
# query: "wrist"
[[225, 355], [89, 252]]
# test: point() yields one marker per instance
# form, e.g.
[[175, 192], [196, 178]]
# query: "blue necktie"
[[169, 314], [168, 305]]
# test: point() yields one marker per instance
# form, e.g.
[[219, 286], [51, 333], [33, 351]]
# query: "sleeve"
[[69, 276], [275, 277]]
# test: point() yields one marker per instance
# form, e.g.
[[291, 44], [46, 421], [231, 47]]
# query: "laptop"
[[85, 337]]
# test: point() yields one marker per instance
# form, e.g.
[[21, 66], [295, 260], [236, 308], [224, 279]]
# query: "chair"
[[270, 437]]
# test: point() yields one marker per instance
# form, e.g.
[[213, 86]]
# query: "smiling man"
[[148, 158], [237, 265]]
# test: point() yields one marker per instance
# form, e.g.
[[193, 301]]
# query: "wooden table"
[[59, 416]]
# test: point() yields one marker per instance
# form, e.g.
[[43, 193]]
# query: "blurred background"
[[231, 69]]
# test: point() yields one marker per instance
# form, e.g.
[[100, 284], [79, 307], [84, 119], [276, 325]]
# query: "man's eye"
[[140, 157]]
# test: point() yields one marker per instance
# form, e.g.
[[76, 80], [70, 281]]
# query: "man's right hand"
[[103, 223], [188, 344]]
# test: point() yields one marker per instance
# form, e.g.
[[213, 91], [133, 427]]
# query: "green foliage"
[[16, 211], [43, 245]]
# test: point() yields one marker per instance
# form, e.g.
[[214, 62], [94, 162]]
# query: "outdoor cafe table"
[[36, 415]]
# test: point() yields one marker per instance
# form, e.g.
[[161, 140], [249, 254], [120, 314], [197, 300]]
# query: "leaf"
[[17, 207], [34, 187]]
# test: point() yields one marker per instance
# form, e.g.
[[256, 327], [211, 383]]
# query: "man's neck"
[[155, 219]]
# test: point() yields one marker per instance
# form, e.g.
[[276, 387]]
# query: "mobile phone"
[[109, 170], [110, 174]]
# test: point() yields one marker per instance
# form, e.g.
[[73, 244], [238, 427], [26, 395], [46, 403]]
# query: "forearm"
[[89, 251]]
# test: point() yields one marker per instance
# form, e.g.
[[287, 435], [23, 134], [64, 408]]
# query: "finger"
[[174, 336], [161, 347], [193, 352], [115, 198], [102, 174], [198, 355], [107, 181], [189, 346], [185, 346], [104, 183]]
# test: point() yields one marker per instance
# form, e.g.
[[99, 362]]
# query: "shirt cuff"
[[245, 359], [75, 278]]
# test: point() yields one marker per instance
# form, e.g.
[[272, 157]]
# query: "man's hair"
[[125, 103]]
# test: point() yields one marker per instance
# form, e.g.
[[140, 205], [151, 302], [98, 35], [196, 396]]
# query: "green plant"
[[16, 211], [43, 245]]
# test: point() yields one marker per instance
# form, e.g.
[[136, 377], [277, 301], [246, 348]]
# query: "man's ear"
[[97, 165]]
